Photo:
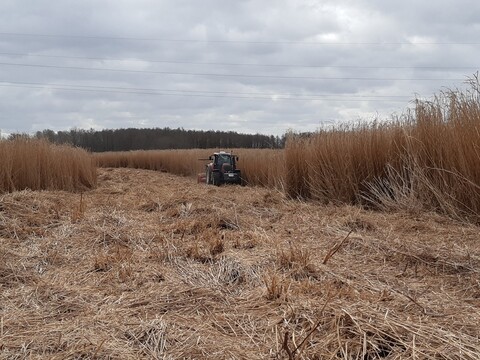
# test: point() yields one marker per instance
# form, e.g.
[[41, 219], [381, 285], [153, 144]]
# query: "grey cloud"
[[288, 32]]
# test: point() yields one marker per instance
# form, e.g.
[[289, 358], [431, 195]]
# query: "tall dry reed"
[[444, 154], [258, 166], [337, 165], [429, 160], [38, 165], [180, 162], [263, 167]]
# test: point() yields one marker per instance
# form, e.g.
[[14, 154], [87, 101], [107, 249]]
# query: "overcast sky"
[[249, 66]]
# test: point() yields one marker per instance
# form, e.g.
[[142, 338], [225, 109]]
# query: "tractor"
[[222, 169]]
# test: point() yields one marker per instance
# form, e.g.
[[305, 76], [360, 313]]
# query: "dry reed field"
[[38, 165], [130, 261], [262, 167], [154, 266], [426, 161]]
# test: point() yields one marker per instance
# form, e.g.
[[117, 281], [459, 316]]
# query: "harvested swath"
[[121, 280]]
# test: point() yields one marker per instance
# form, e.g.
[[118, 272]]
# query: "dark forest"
[[159, 139]]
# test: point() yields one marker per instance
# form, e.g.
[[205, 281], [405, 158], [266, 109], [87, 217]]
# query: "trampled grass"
[[148, 265]]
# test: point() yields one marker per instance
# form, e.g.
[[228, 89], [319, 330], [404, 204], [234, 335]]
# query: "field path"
[[155, 266]]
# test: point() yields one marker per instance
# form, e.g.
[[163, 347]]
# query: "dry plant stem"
[[299, 348], [98, 348], [286, 347], [292, 353], [335, 248]]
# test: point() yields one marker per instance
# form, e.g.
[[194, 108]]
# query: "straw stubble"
[[121, 280]]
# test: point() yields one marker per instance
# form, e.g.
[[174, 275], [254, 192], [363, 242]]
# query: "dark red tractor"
[[222, 169]]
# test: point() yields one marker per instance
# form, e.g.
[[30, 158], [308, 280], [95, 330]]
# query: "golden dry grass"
[[179, 162], [38, 165], [427, 163], [336, 165], [262, 167], [154, 266]]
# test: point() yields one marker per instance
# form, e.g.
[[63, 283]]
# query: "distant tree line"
[[159, 139]]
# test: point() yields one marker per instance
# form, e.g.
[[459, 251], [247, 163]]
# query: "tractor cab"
[[222, 159], [222, 169]]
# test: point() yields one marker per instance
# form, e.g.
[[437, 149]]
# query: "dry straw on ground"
[[154, 266]]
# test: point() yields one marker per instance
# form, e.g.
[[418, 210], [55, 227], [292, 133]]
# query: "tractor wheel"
[[208, 178], [216, 179]]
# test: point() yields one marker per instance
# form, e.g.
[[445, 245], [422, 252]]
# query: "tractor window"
[[223, 159]]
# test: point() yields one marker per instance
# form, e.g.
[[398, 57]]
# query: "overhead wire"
[[224, 94], [431, 67], [207, 94], [205, 91], [289, 42], [229, 75]]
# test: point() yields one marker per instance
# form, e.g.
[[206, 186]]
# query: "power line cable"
[[285, 42], [208, 92], [272, 98], [432, 67], [228, 75]]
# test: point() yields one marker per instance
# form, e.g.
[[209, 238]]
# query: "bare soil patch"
[[155, 266]]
